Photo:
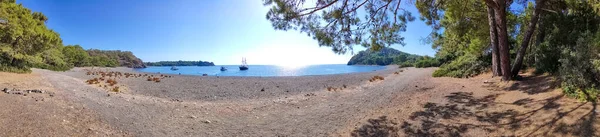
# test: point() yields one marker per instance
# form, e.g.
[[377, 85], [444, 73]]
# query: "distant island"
[[180, 63], [391, 56]]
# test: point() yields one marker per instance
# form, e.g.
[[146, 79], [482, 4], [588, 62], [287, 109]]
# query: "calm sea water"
[[263, 70]]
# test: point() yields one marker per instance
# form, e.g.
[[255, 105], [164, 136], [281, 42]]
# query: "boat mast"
[[244, 62]]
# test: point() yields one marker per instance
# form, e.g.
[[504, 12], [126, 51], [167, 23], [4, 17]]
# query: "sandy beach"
[[407, 102]]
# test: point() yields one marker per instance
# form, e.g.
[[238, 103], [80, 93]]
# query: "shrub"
[[426, 61], [92, 81], [376, 78], [115, 89], [405, 64], [111, 82], [578, 70], [463, 66]]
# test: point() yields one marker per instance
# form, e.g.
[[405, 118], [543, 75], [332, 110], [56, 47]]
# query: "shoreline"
[[235, 87], [231, 103], [135, 70]]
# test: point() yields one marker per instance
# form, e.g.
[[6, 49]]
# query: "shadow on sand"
[[535, 84], [464, 112]]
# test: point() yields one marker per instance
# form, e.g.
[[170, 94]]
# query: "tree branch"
[[355, 8], [377, 11], [396, 11], [316, 9]]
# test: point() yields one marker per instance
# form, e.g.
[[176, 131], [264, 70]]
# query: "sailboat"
[[244, 66]]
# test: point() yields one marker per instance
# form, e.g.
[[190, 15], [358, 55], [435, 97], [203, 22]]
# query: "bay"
[[263, 70]]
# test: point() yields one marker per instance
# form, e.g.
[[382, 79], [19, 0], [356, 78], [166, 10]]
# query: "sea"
[[263, 70]]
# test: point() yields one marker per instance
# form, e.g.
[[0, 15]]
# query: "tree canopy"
[[388, 56], [338, 24], [471, 36], [26, 41]]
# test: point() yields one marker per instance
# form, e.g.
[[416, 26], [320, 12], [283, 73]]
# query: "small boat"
[[223, 68], [244, 65], [174, 68]]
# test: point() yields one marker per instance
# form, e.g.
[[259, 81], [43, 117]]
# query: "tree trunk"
[[494, 43], [530, 29], [500, 12]]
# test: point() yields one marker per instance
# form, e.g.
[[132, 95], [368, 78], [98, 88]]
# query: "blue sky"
[[221, 31]]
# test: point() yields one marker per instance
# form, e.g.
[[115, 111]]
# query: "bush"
[[12, 69], [587, 94], [53, 59], [76, 56], [405, 64], [463, 66], [11, 61], [426, 61], [578, 70], [546, 58]]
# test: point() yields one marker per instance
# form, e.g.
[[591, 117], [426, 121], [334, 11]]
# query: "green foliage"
[[384, 56], [587, 94], [180, 63], [565, 43], [406, 64], [26, 42], [337, 24], [103, 61], [567, 46], [461, 35], [23, 36], [463, 66], [25, 31], [579, 74], [54, 59], [426, 61], [387, 56], [113, 58], [76, 56]]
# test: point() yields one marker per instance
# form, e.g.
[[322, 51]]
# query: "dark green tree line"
[[26, 41]]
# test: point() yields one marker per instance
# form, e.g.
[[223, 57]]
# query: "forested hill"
[[122, 58], [384, 56], [387, 56], [180, 63], [26, 42]]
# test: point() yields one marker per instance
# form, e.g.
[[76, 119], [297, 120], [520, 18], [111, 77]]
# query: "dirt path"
[[45, 114], [484, 106]]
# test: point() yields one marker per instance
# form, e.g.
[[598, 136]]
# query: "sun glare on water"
[[292, 65]]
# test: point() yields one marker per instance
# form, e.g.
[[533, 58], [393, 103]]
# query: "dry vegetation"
[[376, 78], [330, 88], [108, 79], [333, 89], [398, 72], [115, 89]]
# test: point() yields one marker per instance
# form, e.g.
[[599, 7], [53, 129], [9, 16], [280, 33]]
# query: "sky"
[[219, 31]]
